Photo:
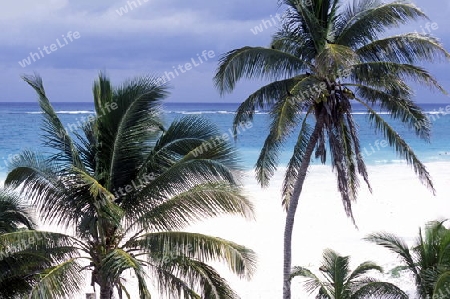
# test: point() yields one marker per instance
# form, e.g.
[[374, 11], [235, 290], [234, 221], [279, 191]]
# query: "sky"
[[69, 42]]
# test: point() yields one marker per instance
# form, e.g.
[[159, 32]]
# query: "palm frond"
[[362, 269], [378, 289], [40, 180], [117, 261], [125, 134], [48, 245], [396, 245], [62, 281], [239, 259], [400, 107], [362, 169], [181, 177], [198, 203], [367, 71], [367, 19], [336, 269], [197, 275], [295, 161], [255, 62], [169, 284], [291, 39], [312, 282], [401, 147], [285, 116], [267, 96], [406, 48], [56, 136], [13, 212], [442, 285]]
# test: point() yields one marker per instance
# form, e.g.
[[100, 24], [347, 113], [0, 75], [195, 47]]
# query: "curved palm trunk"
[[293, 207]]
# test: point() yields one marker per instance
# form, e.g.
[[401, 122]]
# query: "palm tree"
[[127, 187], [428, 260], [342, 283], [327, 56]]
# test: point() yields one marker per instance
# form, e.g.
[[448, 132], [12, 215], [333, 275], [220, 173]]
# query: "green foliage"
[[13, 213], [339, 282], [126, 185], [428, 259]]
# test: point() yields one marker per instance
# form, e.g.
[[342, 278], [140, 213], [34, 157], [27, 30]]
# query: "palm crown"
[[342, 283], [127, 186], [324, 58]]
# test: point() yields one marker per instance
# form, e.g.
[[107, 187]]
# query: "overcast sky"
[[69, 42]]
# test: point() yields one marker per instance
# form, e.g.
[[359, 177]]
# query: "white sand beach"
[[399, 204]]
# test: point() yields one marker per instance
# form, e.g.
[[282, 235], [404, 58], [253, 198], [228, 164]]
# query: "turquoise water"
[[20, 125]]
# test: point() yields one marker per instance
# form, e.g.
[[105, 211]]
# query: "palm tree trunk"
[[106, 291], [293, 203]]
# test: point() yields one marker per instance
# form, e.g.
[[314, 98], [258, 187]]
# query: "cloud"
[[152, 37]]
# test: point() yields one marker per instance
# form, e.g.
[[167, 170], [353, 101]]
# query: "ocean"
[[398, 204], [20, 125]]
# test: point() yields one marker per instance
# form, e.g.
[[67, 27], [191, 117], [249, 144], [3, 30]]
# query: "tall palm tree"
[[127, 188], [428, 260], [342, 283], [327, 56]]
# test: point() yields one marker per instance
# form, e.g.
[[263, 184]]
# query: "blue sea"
[[20, 129]]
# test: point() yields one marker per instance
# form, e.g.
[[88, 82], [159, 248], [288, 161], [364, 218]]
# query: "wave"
[[65, 112], [201, 112]]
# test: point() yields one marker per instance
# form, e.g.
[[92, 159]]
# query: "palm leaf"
[[378, 289], [366, 19], [117, 261], [124, 133], [336, 270], [401, 147], [171, 285], [13, 213], [255, 62], [401, 108], [396, 245], [362, 269], [367, 71], [198, 203], [295, 161], [56, 135], [201, 276], [442, 285], [239, 259], [62, 281], [405, 48], [266, 97], [312, 283], [40, 180]]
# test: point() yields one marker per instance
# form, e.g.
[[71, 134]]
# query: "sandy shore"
[[399, 204]]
